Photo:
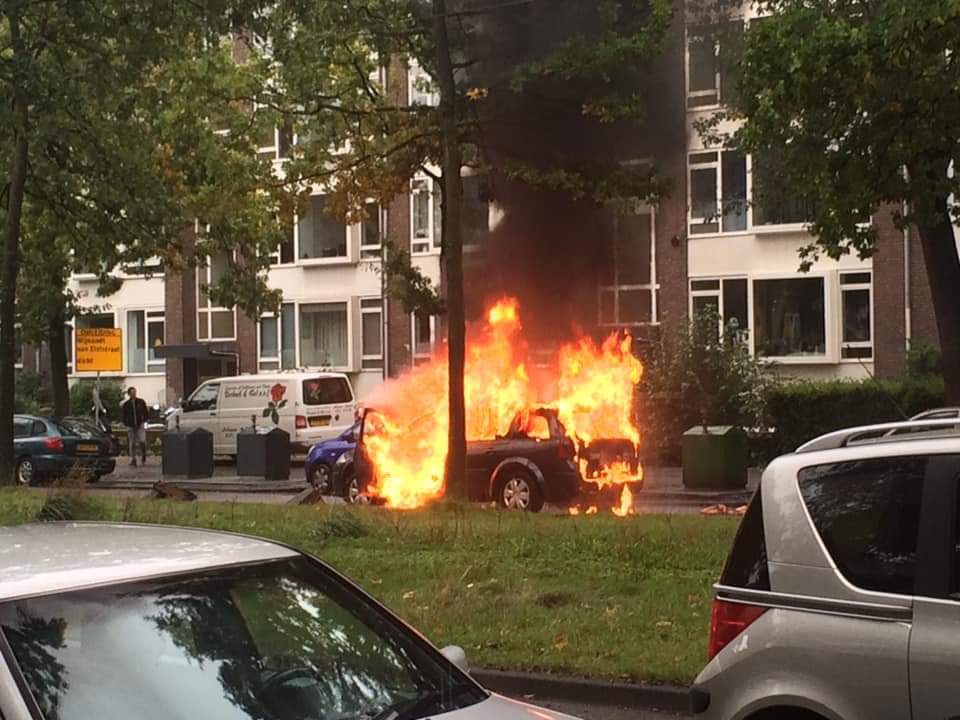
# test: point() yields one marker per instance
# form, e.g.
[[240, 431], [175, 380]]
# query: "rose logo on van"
[[276, 404]]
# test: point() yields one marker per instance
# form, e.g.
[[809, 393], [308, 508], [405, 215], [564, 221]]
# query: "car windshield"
[[283, 640]]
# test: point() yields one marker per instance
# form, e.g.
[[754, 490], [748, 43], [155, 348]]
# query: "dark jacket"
[[134, 413]]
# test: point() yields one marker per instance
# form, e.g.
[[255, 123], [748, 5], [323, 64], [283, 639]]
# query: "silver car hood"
[[500, 708]]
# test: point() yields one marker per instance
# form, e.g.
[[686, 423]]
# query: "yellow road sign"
[[99, 350]]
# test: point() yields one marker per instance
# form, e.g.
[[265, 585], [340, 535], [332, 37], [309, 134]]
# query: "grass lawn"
[[590, 595]]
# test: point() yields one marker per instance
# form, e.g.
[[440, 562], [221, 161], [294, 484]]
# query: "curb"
[[532, 686]]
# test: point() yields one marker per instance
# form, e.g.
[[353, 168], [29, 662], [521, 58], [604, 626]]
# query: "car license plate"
[[88, 447], [320, 421]]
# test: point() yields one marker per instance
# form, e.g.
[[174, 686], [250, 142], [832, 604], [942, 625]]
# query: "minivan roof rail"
[[884, 432]]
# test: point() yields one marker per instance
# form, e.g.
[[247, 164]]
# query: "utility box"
[[263, 453], [714, 458], [187, 453]]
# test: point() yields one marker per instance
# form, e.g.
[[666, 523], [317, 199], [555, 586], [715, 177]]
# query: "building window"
[[856, 291], [285, 253], [145, 332], [421, 88], [274, 143], [278, 339], [711, 73], [789, 317], [627, 293], [732, 192], [214, 323], [373, 228], [371, 341], [324, 335], [423, 337], [425, 216], [728, 299], [320, 236]]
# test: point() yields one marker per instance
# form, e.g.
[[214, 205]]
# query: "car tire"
[[26, 473], [517, 489], [319, 477], [352, 493]]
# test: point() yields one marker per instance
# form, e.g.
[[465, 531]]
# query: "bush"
[[31, 394], [698, 376], [802, 410], [924, 360], [111, 397]]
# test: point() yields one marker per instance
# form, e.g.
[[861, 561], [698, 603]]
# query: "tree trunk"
[[9, 267], [943, 272], [57, 341], [456, 468]]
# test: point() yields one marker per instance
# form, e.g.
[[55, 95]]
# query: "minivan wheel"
[[353, 494], [319, 477], [517, 490], [25, 471]]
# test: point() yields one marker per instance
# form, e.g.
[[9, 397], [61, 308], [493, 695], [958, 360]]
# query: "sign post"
[[99, 350]]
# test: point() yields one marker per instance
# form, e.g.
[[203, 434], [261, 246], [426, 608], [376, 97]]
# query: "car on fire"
[[533, 463], [117, 621], [323, 457]]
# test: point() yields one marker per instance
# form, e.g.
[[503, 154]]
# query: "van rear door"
[[328, 402]]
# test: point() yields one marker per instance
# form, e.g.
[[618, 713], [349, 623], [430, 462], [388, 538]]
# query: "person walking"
[[135, 418]]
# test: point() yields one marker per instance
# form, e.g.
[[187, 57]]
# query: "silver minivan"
[[840, 598]]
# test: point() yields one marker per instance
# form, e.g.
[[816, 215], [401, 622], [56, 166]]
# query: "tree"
[[858, 103], [364, 140], [115, 146]]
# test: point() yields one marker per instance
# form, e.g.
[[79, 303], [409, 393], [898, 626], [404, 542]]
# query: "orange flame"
[[406, 436]]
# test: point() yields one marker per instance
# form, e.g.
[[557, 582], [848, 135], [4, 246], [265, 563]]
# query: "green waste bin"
[[714, 458]]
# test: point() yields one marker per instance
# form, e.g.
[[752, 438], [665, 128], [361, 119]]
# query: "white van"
[[319, 406]]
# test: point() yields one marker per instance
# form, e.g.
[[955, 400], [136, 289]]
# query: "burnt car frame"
[[533, 463]]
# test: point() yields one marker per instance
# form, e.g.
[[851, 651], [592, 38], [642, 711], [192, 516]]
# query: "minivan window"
[[868, 515], [326, 391], [747, 564]]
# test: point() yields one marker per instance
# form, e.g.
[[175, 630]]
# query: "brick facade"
[[890, 339]]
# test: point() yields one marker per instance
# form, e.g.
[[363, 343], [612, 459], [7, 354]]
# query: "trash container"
[[714, 458], [263, 453], [187, 453]]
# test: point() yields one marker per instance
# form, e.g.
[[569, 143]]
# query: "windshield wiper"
[[423, 705]]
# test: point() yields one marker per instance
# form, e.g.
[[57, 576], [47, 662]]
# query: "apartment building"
[[726, 237]]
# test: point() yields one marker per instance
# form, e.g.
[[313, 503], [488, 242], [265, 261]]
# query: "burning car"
[[534, 462]]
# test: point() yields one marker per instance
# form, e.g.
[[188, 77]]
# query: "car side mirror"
[[456, 655]]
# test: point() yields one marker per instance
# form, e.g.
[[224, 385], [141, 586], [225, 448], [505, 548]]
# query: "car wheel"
[[519, 491], [353, 493], [26, 474], [319, 477]]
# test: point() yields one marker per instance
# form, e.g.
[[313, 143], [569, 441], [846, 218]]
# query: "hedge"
[[800, 411]]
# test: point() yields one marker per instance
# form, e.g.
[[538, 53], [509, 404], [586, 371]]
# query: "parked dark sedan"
[[45, 448]]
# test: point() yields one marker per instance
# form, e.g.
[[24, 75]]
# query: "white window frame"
[[416, 75], [277, 359], [373, 251], [276, 257], [351, 350], [338, 260], [69, 327], [693, 94], [830, 355], [850, 287], [652, 287], [430, 245], [718, 295], [204, 275], [418, 358], [151, 316], [371, 309]]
